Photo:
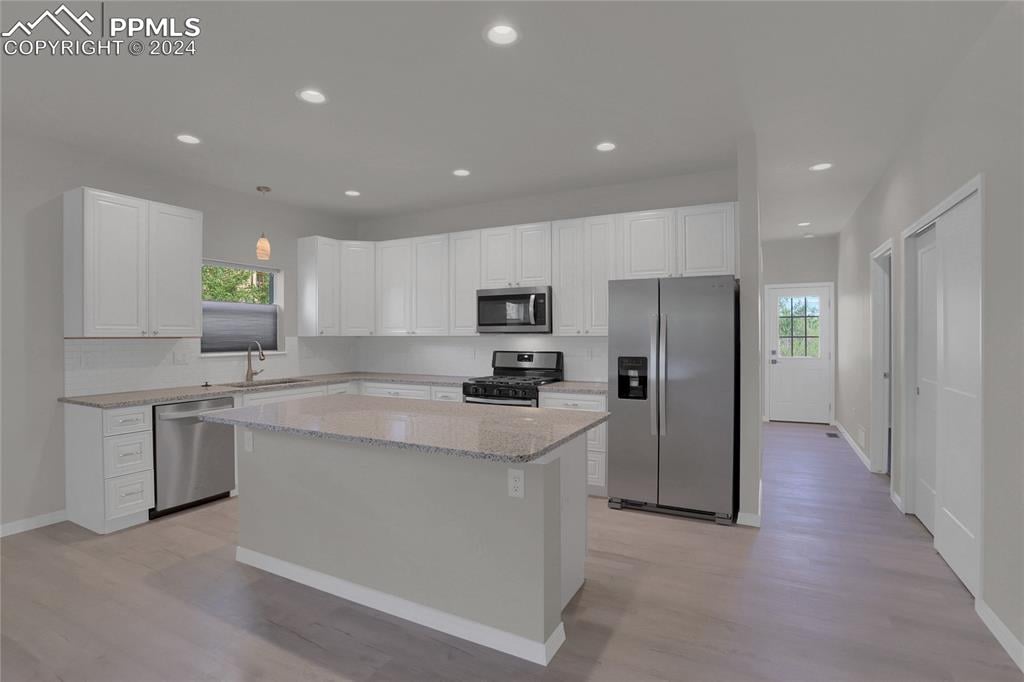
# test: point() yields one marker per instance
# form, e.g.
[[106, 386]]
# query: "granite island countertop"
[[183, 393], [509, 434]]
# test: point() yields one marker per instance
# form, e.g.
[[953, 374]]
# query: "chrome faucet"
[[249, 373]]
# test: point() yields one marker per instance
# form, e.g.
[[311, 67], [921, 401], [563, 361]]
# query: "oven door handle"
[[533, 309], [498, 401]]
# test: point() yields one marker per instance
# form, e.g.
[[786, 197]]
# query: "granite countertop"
[[182, 393], [509, 434]]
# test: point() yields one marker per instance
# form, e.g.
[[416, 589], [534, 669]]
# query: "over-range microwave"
[[520, 310]]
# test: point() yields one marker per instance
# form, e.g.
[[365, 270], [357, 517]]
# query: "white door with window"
[[799, 349]]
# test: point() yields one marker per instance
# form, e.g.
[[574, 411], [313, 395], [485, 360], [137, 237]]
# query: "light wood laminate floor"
[[837, 585]]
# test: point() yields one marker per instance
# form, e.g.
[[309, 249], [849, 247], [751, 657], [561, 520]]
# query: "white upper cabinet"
[[516, 256], [131, 267], [394, 287], [598, 250], [358, 281], [464, 280], [581, 267], [705, 240], [175, 271], [497, 264], [646, 245], [568, 285], [533, 255], [319, 285], [430, 285]]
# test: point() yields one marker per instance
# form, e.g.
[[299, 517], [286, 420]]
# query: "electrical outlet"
[[247, 443], [516, 483], [180, 357]]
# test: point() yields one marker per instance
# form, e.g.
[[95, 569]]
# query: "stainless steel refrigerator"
[[673, 373]]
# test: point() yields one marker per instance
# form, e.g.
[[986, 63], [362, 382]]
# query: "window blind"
[[231, 327]]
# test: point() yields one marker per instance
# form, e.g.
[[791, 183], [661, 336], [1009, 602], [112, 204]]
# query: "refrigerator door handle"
[[662, 373], [652, 373]]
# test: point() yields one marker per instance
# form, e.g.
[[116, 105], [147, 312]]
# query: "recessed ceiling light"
[[461, 172], [803, 224], [821, 166], [808, 235], [311, 96], [605, 146], [351, 193], [188, 139], [502, 34]]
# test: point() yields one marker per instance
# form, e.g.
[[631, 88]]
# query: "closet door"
[[957, 524]]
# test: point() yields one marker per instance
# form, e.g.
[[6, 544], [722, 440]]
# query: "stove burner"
[[516, 377]]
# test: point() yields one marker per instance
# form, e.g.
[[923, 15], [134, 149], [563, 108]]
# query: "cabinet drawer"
[[340, 389], [595, 469], [397, 391], [127, 420], [127, 454], [129, 494], [565, 401], [446, 393]]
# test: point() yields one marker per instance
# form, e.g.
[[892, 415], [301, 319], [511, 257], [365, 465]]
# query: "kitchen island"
[[469, 519]]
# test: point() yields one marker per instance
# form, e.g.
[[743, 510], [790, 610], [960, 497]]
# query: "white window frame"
[[278, 289]]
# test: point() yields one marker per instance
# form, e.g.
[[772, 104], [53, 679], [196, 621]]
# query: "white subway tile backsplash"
[[111, 365]]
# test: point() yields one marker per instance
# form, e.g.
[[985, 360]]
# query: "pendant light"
[[263, 244]]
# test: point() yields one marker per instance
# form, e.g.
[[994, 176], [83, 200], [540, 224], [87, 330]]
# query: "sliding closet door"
[[959, 441]]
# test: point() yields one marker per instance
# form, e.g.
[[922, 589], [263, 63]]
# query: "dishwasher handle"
[[171, 416]]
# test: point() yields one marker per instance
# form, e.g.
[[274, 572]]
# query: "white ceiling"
[[415, 92]]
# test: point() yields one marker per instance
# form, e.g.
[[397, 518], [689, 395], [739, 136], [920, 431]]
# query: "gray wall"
[[796, 261], [678, 190], [974, 125], [748, 222], [35, 174]]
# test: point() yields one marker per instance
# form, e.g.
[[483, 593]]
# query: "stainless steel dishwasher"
[[195, 460]]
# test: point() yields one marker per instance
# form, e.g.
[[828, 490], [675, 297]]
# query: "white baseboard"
[[32, 523], [897, 500], [457, 626], [748, 519], [853, 444], [1003, 635]]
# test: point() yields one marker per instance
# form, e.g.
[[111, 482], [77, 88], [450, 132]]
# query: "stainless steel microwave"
[[521, 310]]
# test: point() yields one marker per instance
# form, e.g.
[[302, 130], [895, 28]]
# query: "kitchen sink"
[[265, 382]]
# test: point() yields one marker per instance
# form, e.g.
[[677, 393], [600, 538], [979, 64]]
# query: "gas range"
[[517, 376]]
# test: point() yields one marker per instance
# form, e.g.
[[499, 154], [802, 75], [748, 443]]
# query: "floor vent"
[[831, 434]]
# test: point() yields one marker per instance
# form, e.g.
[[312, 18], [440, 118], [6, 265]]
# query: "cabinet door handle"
[[143, 333], [129, 420]]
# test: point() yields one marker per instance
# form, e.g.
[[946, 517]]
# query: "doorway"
[[940, 460], [880, 456], [799, 361]]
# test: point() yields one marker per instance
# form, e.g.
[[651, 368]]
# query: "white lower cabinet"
[[597, 437], [386, 390], [130, 494], [108, 461], [446, 393], [349, 388], [265, 397]]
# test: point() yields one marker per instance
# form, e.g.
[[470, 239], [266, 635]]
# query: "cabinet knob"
[[321, 332], [577, 331], [155, 332], [587, 331], [143, 333], [510, 283]]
